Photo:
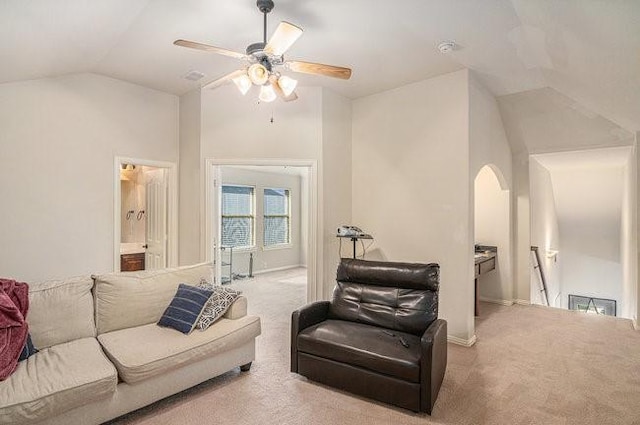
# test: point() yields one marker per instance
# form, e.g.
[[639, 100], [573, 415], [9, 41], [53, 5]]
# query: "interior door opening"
[[143, 216], [582, 223], [493, 236], [261, 221]]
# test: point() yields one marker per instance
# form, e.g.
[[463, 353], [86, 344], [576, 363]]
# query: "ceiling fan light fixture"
[[267, 94], [258, 74], [243, 83], [287, 84]]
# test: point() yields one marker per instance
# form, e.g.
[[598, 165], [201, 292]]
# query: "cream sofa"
[[102, 355]]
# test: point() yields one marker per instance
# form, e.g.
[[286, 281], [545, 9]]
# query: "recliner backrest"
[[398, 296]]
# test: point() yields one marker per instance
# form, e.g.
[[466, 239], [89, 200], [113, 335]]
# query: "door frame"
[[211, 206], [172, 206]]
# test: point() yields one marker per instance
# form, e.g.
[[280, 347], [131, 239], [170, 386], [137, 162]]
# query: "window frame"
[[283, 245], [251, 216]]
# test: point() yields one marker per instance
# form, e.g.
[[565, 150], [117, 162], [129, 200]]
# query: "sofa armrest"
[[433, 363], [301, 319], [238, 309]]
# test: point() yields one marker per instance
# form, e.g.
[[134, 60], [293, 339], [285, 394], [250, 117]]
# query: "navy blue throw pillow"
[[28, 350], [185, 308]]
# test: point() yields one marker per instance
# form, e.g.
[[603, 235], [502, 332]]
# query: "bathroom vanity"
[[132, 257], [484, 262]]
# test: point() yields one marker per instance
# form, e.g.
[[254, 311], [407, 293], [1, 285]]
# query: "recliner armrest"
[[309, 315], [433, 363]]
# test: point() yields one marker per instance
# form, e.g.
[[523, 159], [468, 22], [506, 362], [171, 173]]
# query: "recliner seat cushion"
[[370, 347], [55, 380], [145, 351]]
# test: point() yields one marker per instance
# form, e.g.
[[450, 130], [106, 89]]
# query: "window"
[[237, 216], [277, 218]]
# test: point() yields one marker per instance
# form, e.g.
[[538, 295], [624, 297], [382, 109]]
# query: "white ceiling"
[[585, 49], [586, 159], [544, 120], [588, 186]]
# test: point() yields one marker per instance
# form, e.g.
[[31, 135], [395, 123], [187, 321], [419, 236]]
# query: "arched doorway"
[[493, 228]]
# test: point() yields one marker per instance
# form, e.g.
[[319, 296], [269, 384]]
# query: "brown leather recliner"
[[379, 337]]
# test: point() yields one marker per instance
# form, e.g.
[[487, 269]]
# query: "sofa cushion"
[[129, 299], [61, 311], [145, 351], [55, 380], [370, 347]]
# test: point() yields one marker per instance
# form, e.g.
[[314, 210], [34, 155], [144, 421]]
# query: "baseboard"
[[508, 303], [522, 302], [459, 341], [635, 324], [279, 269]]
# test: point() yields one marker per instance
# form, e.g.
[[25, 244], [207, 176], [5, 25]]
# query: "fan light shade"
[[258, 74], [267, 94], [287, 84], [243, 83]]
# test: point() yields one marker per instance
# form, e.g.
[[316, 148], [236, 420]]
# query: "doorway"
[[582, 223], [261, 218], [144, 215], [493, 238]]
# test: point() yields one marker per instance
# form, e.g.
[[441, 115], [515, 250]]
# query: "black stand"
[[354, 239]]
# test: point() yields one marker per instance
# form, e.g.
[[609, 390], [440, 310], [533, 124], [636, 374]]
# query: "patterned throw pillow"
[[217, 306], [205, 284], [185, 308]]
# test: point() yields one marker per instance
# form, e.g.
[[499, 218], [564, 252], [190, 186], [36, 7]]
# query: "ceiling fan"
[[263, 60]]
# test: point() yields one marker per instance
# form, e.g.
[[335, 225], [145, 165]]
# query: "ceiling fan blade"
[[319, 69], [222, 80], [276, 87], [208, 48], [285, 35]]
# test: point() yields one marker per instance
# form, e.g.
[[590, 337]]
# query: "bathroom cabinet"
[[132, 262]]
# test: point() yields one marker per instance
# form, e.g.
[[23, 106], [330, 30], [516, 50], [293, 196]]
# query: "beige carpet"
[[531, 365]]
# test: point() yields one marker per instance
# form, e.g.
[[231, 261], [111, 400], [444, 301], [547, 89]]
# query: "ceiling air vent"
[[193, 75]]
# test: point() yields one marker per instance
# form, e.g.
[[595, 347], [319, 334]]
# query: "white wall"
[[488, 146], [488, 142], [522, 229], [629, 239], [589, 207], [636, 212], [492, 227], [57, 146], [190, 179], [545, 234], [269, 258], [336, 177], [411, 184], [236, 127]]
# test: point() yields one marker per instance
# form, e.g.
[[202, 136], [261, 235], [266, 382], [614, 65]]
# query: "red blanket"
[[14, 304]]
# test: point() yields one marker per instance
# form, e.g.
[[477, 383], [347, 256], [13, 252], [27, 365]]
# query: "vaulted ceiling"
[[585, 50]]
